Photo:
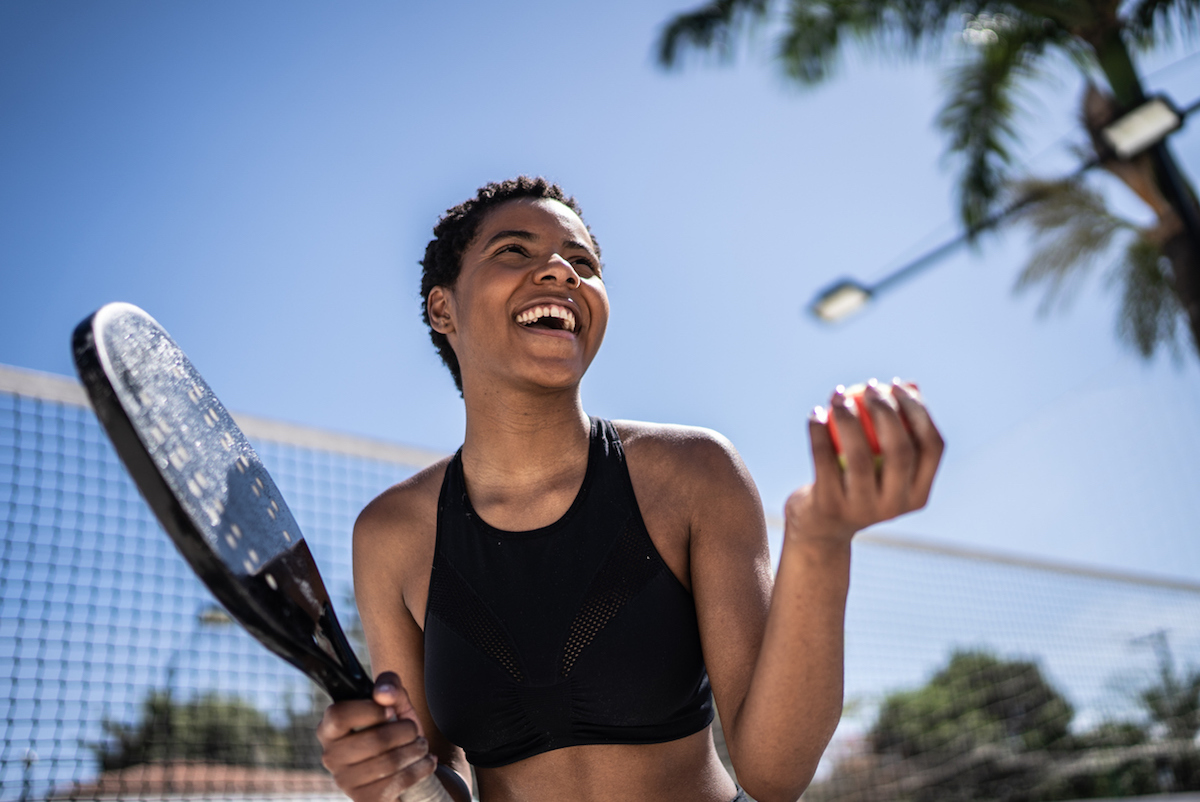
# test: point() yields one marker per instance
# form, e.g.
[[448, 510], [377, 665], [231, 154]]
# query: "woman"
[[560, 596]]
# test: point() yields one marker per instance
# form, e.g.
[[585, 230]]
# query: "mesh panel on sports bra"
[[459, 608], [630, 565]]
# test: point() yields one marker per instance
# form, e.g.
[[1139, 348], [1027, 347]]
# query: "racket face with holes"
[[209, 490]]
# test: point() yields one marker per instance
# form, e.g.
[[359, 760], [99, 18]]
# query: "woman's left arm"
[[775, 657]]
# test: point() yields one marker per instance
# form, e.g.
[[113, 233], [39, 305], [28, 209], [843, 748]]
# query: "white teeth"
[[534, 314]]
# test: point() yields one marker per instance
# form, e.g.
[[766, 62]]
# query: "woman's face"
[[529, 305]]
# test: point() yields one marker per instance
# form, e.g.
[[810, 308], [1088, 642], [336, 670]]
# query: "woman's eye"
[[587, 266]]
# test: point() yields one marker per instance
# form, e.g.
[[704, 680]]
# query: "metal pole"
[[31, 757], [1174, 186]]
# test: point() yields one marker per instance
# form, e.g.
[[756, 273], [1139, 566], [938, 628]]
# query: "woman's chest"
[[533, 550], [578, 633]]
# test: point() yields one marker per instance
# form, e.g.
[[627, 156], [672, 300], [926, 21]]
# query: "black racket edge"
[[341, 684]]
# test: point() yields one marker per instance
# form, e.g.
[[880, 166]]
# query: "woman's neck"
[[516, 442]]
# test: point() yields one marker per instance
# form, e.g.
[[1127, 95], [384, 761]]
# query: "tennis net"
[[968, 675]]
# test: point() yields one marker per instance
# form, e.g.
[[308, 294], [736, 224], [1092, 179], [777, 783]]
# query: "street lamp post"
[[1145, 128], [846, 296], [208, 615], [28, 761]]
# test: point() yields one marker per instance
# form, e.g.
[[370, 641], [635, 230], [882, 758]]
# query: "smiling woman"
[[560, 603], [459, 229], [529, 281]]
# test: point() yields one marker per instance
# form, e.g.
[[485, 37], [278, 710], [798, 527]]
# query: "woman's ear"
[[438, 303]]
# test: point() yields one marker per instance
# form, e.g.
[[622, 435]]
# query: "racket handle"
[[429, 789]]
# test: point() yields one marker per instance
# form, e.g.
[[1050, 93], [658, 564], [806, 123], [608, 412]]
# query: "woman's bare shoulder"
[[402, 513], [692, 452], [394, 540]]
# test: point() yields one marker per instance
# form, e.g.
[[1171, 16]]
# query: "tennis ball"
[[858, 406]]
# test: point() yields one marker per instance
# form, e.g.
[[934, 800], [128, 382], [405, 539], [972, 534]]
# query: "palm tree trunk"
[[1181, 249], [1185, 269]]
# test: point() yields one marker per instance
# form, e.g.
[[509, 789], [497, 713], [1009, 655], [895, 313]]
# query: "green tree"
[[209, 728], [1102, 763], [985, 728], [1003, 44], [980, 729], [1172, 701], [976, 699], [300, 730]]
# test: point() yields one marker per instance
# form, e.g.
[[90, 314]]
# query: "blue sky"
[[263, 178]]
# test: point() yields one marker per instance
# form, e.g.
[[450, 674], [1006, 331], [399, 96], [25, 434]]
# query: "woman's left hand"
[[841, 502]]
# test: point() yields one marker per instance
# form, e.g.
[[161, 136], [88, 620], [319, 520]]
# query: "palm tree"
[[1006, 40]]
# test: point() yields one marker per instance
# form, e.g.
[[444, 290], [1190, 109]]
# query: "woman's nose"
[[559, 269]]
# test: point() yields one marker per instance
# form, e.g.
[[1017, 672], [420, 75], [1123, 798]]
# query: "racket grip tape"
[[429, 789]]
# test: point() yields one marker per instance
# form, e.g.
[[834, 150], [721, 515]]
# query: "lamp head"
[[840, 300], [1142, 128]]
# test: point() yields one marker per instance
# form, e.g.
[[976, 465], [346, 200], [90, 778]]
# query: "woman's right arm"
[[376, 748]]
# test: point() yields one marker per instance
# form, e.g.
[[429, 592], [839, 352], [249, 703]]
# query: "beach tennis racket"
[[212, 495]]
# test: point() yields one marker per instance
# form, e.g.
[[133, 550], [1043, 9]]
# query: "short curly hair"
[[454, 233]]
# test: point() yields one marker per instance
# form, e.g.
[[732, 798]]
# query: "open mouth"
[[549, 316]]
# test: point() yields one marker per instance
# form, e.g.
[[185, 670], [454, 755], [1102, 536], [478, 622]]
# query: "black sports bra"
[[575, 633]]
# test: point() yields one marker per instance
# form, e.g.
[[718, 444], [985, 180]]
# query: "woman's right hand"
[[374, 748]]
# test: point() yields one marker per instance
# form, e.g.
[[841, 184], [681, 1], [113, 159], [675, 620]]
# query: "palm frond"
[[710, 27], [924, 22], [816, 29], [1072, 228], [814, 35], [1150, 310], [1155, 22], [1064, 14], [981, 114]]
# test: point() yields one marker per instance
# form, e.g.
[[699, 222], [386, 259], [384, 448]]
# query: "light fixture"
[[840, 300], [1143, 127], [212, 615]]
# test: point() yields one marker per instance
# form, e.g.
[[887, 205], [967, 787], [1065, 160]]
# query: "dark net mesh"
[[966, 678], [629, 567], [119, 677], [453, 601], [972, 678]]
